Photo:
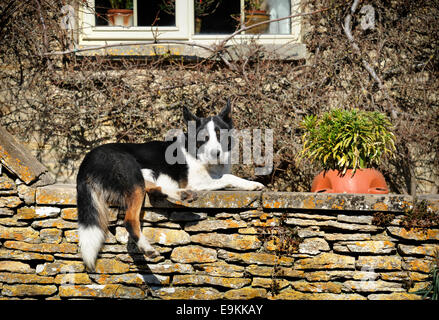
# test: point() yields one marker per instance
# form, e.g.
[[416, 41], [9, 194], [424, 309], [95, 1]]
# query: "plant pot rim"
[[369, 180], [261, 12], [120, 11]]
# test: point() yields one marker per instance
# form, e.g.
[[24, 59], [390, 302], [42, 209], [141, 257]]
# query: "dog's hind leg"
[[132, 221]]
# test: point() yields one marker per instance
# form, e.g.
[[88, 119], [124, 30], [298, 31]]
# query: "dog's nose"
[[215, 153]]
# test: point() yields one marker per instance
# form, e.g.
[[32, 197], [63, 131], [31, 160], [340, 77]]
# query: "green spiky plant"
[[431, 291], [121, 4], [347, 139]]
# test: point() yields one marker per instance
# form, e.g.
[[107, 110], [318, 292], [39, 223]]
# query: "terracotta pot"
[[363, 181], [256, 16], [120, 17]]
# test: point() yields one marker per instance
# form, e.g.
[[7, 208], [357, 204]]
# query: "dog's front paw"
[[151, 253], [256, 186], [188, 195]]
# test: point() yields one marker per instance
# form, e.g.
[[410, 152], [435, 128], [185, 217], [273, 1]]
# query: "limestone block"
[[72, 278], [417, 264], [189, 279], [42, 247], [232, 241], [69, 214], [71, 236], [24, 256], [372, 286], [23, 290], [394, 296], [111, 266], [25, 213], [221, 269], [226, 199], [193, 254], [330, 275], [414, 234], [62, 194], [6, 212], [355, 219], [24, 278], [267, 283], [326, 261], [187, 293], [369, 246], [347, 236], [379, 262], [165, 267], [313, 246], [167, 237], [10, 201], [327, 201], [54, 223], [331, 224], [19, 160], [6, 183], [424, 249], [259, 258], [245, 293], [12, 222], [154, 216], [317, 287], [290, 294], [26, 234], [15, 266], [51, 235], [131, 278], [26, 193], [54, 268], [212, 225], [117, 291]]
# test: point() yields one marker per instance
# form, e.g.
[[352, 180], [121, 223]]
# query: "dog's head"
[[213, 135]]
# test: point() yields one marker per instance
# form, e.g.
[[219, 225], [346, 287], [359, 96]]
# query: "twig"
[[348, 32]]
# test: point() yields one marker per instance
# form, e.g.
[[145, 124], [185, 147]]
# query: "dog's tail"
[[93, 211]]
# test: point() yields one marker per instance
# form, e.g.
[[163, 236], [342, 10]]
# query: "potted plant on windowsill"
[[121, 13], [347, 144], [256, 12]]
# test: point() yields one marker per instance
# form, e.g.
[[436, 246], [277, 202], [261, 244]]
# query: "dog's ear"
[[189, 116], [226, 113]]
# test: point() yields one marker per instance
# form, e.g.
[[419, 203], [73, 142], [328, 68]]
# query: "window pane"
[[279, 9], [224, 16], [257, 11], [149, 13], [156, 13], [216, 16]]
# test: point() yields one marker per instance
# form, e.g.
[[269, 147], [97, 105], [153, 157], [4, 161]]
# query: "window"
[[201, 21]]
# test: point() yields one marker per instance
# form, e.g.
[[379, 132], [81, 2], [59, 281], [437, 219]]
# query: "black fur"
[[116, 169]]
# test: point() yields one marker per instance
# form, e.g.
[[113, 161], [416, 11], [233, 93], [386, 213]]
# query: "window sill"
[[283, 51]]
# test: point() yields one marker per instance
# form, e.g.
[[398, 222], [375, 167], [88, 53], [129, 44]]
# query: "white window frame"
[[184, 30]]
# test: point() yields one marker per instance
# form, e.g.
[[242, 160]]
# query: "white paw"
[[256, 186], [147, 249]]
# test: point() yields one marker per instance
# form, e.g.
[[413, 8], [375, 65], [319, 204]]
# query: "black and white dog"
[[121, 173]]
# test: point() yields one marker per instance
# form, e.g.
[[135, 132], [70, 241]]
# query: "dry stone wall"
[[225, 245]]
